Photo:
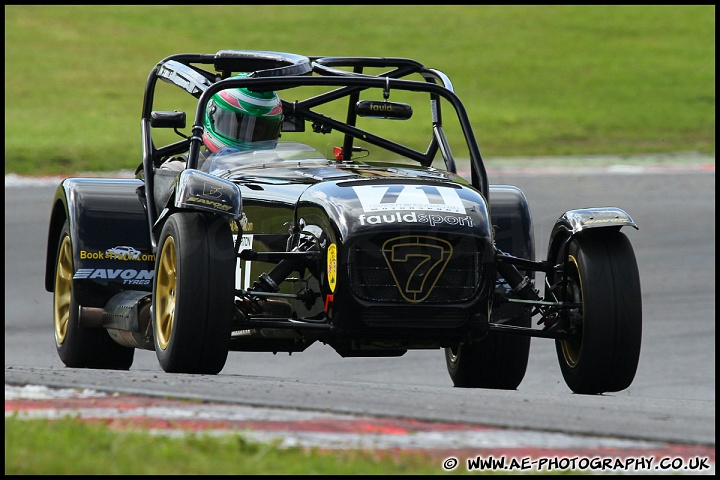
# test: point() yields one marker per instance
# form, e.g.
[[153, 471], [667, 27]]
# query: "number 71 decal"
[[376, 198]]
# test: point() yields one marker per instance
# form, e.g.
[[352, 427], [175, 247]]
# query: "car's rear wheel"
[[78, 346], [193, 293], [603, 278]]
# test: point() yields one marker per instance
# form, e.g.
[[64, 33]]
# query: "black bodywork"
[[370, 257]]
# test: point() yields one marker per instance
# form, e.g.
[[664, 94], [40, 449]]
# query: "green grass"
[[536, 80], [68, 446]]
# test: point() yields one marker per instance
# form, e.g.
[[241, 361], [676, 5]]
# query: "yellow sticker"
[[332, 266]]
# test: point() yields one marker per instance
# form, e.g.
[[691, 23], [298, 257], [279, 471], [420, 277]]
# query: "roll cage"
[[279, 71]]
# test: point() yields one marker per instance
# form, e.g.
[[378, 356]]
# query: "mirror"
[[167, 119]]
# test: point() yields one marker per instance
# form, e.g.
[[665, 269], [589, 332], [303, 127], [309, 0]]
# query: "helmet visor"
[[244, 128]]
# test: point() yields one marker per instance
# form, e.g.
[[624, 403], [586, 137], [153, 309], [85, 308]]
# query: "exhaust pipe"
[[126, 317]]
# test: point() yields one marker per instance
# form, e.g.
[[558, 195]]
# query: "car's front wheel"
[[78, 346], [603, 279], [193, 293]]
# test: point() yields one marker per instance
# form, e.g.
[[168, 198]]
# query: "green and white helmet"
[[238, 116]]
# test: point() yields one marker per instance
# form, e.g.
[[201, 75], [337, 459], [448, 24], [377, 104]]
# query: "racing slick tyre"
[[78, 346], [193, 293], [498, 361], [603, 278]]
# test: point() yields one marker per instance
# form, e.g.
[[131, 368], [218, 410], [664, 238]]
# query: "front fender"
[[199, 191], [573, 222], [196, 190]]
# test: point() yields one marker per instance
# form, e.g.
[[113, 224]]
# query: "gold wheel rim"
[[165, 293], [571, 348], [63, 290]]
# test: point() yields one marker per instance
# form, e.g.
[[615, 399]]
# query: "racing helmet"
[[238, 117]]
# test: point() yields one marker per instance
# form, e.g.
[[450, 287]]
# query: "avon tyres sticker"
[[378, 198], [127, 276]]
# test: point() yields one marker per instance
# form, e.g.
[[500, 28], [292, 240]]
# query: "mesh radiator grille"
[[410, 269]]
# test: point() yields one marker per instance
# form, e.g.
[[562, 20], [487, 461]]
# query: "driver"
[[237, 119]]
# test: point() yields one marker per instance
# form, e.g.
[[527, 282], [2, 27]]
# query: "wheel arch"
[[58, 215], [196, 191], [573, 222]]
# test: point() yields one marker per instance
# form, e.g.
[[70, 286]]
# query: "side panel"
[[270, 214], [109, 232]]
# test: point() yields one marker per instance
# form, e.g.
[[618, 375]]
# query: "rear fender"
[[109, 234], [573, 222]]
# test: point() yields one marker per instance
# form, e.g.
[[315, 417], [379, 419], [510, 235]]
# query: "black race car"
[[356, 231]]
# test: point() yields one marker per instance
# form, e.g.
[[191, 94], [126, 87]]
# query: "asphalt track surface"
[[668, 410]]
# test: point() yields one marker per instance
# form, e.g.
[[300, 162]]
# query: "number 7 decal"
[[416, 264]]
